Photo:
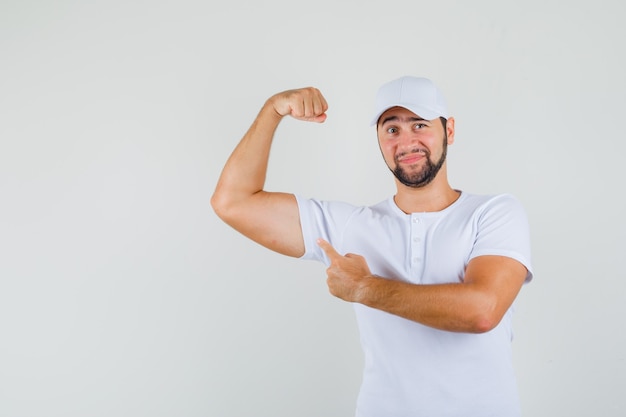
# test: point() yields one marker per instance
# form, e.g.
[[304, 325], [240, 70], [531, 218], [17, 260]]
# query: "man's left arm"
[[476, 305]]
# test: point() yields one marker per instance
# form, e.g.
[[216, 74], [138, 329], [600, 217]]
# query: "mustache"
[[423, 151]]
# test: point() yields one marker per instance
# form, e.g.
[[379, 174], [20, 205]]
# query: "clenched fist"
[[306, 104]]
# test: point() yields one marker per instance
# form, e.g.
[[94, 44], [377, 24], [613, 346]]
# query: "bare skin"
[[476, 305], [269, 218]]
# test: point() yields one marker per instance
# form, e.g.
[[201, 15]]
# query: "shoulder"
[[479, 200], [502, 228], [325, 206], [490, 203], [342, 208], [332, 221], [498, 214], [494, 212]]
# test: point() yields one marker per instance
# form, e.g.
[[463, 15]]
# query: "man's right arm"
[[269, 218]]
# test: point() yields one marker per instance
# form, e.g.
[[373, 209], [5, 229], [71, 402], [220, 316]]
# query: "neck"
[[432, 197]]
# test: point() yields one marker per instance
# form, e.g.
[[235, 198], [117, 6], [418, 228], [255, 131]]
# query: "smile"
[[411, 157]]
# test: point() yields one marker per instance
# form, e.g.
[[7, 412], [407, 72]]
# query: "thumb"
[[320, 119], [328, 249]]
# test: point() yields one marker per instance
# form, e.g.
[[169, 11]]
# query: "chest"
[[424, 248]]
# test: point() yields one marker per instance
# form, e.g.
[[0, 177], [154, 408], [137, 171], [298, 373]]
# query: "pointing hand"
[[347, 275]]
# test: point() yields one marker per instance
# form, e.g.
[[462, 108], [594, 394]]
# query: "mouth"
[[411, 157]]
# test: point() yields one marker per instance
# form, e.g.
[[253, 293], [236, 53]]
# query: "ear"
[[450, 130]]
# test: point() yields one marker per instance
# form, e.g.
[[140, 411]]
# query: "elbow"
[[228, 209], [217, 204], [483, 324], [220, 205], [485, 318]]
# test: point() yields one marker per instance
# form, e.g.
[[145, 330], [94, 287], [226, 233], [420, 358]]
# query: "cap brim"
[[423, 112]]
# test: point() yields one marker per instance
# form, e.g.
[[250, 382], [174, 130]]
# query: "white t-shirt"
[[412, 370]]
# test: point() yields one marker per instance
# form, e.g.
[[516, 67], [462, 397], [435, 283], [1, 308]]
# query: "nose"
[[407, 140]]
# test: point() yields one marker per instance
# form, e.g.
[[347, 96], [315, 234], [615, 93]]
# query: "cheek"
[[388, 150], [387, 145]]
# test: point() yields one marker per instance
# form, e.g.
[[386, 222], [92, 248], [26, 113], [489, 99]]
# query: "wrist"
[[367, 289], [272, 108]]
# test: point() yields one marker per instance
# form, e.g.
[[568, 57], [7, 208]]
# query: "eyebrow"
[[396, 118]]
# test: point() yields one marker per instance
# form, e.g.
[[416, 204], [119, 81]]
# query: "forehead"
[[398, 114]]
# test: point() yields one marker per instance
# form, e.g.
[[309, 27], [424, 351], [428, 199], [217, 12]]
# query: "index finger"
[[328, 249]]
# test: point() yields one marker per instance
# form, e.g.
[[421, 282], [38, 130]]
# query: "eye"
[[419, 126], [392, 130]]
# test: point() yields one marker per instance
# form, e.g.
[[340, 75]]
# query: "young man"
[[432, 271]]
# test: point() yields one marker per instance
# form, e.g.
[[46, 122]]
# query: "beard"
[[425, 175]]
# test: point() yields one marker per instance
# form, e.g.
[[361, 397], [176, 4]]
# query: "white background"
[[122, 294]]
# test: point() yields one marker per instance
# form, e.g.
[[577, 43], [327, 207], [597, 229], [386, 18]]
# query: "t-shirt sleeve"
[[322, 219], [503, 230]]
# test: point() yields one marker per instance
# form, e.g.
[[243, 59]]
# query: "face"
[[414, 149]]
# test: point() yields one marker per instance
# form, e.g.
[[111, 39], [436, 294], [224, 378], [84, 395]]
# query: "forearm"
[[244, 174], [453, 307], [245, 171], [269, 218], [476, 305]]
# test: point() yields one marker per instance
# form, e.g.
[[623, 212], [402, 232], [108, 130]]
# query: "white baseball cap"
[[420, 95]]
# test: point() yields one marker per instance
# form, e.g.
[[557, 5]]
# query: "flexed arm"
[[268, 218]]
